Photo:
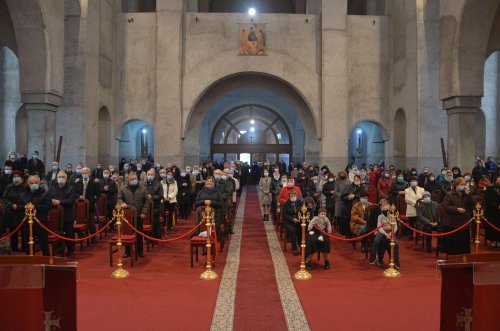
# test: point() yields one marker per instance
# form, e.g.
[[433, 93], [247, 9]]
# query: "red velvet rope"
[[491, 224], [436, 234], [349, 239], [15, 231], [163, 240], [73, 239]]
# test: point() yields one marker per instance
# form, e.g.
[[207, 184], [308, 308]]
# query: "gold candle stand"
[[478, 214], [118, 216], [302, 274], [392, 272], [30, 213], [208, 217]]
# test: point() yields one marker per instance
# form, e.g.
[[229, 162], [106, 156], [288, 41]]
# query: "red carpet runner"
[[257, 304]]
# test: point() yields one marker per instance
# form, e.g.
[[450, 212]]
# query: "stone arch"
[[367, 143], [193, 129], [104, 136], [399, 141], [129, 140]]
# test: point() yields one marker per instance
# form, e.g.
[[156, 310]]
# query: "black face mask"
[[385, 212]]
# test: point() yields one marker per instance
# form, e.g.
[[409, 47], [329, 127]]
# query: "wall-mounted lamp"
[[196, 19]]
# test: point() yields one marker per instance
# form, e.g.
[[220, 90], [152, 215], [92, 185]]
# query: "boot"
[[309, 265], [327, 265]]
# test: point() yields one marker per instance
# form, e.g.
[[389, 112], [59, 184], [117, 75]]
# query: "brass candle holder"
[[392, 272], [303, 274], [208, 217], [478, 214], [30, 212], [118, 215]]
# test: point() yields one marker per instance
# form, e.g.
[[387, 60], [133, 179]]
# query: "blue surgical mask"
[[163, 176], [217, 177], [401, 179], [170, 177], [224, 177], [461, 188], [427, 200], [105, 176], [413, 184], [34, 187], [16, 180], [61, 181], [7, 171], [85, 177], [467, 178], [150, 178], [363, 201], [133, 182], [78, 170]]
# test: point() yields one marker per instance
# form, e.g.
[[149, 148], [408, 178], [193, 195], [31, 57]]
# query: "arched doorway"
[[251, 133], [104, 137], [399, 141], [366, 144], [136, 140]]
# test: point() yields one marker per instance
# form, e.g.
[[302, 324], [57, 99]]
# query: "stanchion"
[[302, 274], [478, 214], [392, 272], [118, 216], [208, 217], [30, 212]]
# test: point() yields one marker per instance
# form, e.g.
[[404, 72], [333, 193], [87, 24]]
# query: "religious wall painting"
[[252, 38]]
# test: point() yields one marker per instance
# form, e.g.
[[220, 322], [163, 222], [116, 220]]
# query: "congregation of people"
[[354, 201]]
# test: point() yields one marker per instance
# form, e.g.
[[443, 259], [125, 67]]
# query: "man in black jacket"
[[110, 190], [88, 188], [155, 193], [63, 194], [35, 166], [209, 195], [291, 222]]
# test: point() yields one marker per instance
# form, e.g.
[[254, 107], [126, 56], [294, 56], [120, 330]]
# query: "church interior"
[[278, 150]]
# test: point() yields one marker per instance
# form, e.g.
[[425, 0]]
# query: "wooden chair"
[[101, 217], [162, 219], [147, 223], [436, 196], [81, 226], [55, 223], [200, 242], [128, 237]]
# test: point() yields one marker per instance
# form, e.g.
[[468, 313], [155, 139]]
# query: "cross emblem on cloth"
[[464, 319], [49, 322]]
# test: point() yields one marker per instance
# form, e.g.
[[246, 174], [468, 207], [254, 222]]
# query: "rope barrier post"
[[30, 213], [392, 272], [208, 217], [118, 216], [478, 214], [302, 274]]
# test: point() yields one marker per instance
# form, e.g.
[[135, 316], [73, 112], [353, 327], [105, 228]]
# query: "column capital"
[[41, 100], [462, 103]]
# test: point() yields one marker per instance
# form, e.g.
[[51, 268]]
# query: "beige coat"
[[411, 198]]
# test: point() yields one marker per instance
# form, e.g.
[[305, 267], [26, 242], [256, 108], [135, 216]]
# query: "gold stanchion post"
[[118, 216], [392, 272], [302, 274], [478, 214], [208, 217], [30, 212]]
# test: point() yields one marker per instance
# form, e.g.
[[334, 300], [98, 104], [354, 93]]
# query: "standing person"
[[351, 195], [155, 193], [110, 189], [427, 218], [316, 241], [457, 205], [184, 195], [265, 193], [169, 196], [6, 177], [35, 166], [413, 195], [479, 171], [290, 211], [275, 191], [492, 212], [134, 194], [360, 214], [13, 212], [88, 188], [63, 194], [384, 186], [328, 191], [341, 185], [51, 177], [38, 197], [287, 188]]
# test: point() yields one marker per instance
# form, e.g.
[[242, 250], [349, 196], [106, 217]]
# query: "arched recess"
[[399, 141], [21, 129], [104, 137], [366, 143], [136, 140], [271, 91]]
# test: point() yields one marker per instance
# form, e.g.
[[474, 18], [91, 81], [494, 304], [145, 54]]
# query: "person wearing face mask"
[[155, 194], [275, 191], [350, 195], [341, 185], [135, 194], [383, 238], [316, 241], [13, 213], [427, 218], [184, 194], [265, 195], [12, 161], [35, 165], [125, 171], [328, 191], [41, 201], [360, 214], [141, 174], [448, 183], [492, 169], [69, 172], [77, 175], [6, 178], [63, 194], [399, 186], [209, 195], [471, 184], [492, 212], [88, 188], [433, 185], [384, 186], [441, 177], [375, 175], [97, 172], [423, 178], [289, 213], [52, 174], [413, 195], [109, 188], [457, 206], [232, 187], [353, 171], [225, 190], [287, 188], [479, 171], [456, 172], [170, 190]]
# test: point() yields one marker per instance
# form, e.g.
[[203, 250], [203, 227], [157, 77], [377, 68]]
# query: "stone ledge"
[[46, 100], [462, 102]]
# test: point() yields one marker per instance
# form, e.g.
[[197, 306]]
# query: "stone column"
[[461, 112]]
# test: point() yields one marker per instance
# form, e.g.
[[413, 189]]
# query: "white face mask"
[[330, 179]]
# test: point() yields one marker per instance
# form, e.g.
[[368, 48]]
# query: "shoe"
[[327, 265], [309, 265], [381, 264], [125, 255], [295, 252], [372, 260], [397, 266], [364, 249], [141, 254]]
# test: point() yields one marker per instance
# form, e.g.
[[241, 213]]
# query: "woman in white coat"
[[169, 195], [413, 195], [265, 193]]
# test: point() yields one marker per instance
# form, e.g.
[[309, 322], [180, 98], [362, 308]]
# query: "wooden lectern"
[[470, 292], [37, 293]]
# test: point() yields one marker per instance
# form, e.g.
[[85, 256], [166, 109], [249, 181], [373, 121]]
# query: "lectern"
[[470, 292], [37, 293]]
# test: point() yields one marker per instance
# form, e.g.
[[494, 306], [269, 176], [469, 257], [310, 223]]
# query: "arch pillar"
[[461, 111]]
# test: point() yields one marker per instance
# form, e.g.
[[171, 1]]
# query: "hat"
[[426, 194], [414, 178], [292, 193]]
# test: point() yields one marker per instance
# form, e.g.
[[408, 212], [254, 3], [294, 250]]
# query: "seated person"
[[316, 241], [427, 217], [360, 214], [290, 211], [383, 237], [371, 224], [311, 207]]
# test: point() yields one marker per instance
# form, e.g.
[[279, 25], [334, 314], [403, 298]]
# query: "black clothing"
[[11, 196], [42, 203], [36, 167], [92, 192], [66, 195], [289, 211], [155, 190]]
